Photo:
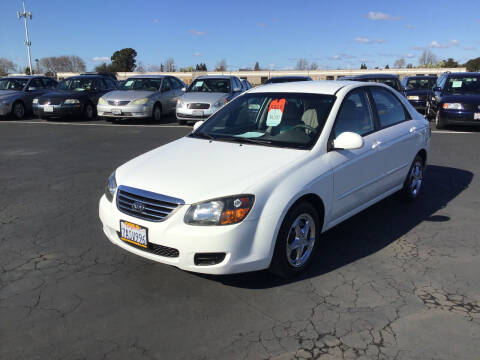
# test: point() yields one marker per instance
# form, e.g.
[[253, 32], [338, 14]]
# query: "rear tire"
[[439, 123], [413, 183], [18, 110], [157, 113], [181, 122], [296, 241]]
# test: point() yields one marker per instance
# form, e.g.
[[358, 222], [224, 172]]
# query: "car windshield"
[[76, 84], [293, 120], [13, 84], [463, 84], [420, 84], [210, 85], [141, 84], [390, 82]]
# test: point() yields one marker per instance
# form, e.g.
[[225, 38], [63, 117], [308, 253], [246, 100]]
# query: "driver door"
[[168, 95]]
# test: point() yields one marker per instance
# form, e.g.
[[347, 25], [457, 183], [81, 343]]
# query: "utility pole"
[[26, 15]]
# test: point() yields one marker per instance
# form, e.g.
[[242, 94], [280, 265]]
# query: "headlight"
[[139, 101], [102, 101], [223, 211], [220, 103], [35, 101], [453, 106], [110, 187], [413, 97], [71, 101]]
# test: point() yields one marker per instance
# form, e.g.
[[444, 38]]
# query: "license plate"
[[476, 116], [133, 234], [197, 112], [116, 111], [48, 108]]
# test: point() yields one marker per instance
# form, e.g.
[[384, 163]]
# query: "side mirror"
[[237, 89], [184, 89], [32, 88], [197, 125], [347, 141], [437, 88]]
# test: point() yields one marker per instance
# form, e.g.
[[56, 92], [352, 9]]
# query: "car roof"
[[23, 76], [421, 77], [372, 76], [87, 77], [327, 87], [291, 77], [215, 77], [148, 76], [462, 73]]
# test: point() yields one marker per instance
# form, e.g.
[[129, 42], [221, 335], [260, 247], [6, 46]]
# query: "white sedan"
[[256, 185]]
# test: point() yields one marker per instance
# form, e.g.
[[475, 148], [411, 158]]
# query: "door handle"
[[412, 129], [376, 144]]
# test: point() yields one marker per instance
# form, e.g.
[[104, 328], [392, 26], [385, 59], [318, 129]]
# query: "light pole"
[[26, 15]]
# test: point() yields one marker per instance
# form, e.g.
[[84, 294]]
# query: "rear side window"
[[36, 83], [49, 83], [354, 115], [110, 84], [390, 110], [166, 86]]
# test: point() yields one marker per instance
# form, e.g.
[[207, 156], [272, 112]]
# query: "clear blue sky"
[[334, 34]]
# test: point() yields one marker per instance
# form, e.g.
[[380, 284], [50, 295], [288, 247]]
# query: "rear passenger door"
[[397, 135], [357, 173]]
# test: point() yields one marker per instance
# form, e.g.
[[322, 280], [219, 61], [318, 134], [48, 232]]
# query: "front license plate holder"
[[48, 108], [197, 112], [134, 234], [476, 116], [116, 112]]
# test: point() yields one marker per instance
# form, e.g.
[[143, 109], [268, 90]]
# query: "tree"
[[256, 67], [313, 66], [400, 63], [409, 66], [6, 66], [473, 64], [450, 63], [187, 69], [427, 59], [169, 65], [104, 68], [363, 66], [124, 60], [27, 71], [64, 63], [140, 67], [387, 67], [221, 65], [302, 64], [201, 67]]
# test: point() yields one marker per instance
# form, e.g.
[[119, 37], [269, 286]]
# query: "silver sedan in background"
[[205, 95], [142, 97], [18, 92]]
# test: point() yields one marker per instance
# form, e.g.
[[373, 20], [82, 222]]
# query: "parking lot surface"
[[398, 281]]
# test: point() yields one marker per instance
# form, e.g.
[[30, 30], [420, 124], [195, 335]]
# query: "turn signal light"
[[236, 210]]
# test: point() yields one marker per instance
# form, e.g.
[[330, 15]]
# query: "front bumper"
[[126, 111], [459, 117], [58, 110], [5, 108], [183, 113], [419, 105], [245, 247]]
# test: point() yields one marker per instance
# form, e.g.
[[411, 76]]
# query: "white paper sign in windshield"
[[275, 112]]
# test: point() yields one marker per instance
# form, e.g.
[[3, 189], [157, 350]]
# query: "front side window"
[[12, 84], [292, 120], [36, 83], [390, 110], [354, 115], [141, 84], [166, 85], [210, 85], [49, 83]]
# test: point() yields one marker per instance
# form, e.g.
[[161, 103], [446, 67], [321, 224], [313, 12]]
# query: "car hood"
[[195, 170], [462, 98], [5, 94], [203, 97], [127, 94], [418, 92], [70, 94]]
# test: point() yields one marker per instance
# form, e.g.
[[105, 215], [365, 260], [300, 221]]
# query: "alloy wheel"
[[416, 178], [301, 239]]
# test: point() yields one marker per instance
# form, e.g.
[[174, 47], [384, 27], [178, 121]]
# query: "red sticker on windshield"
[[277, 104]]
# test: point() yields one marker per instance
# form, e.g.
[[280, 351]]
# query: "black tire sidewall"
[[155, 107], [280, 265], [86, 112], [407, 195], [13, 110], [439, 124]]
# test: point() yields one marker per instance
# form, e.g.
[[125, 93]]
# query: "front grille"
[[52, 101], [198, 106], [118, 103], [188, 116], [471, 107], [148, 205], [156, 249]]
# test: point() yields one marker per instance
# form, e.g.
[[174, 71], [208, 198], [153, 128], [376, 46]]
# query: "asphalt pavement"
[[398, 281]]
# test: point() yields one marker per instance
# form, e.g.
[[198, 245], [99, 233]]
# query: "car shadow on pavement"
[[369, 231]]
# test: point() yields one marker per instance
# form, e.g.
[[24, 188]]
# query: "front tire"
[[413, 183], [18, 110], [157, 113], [89, 111], [296, 241], [439, 123]]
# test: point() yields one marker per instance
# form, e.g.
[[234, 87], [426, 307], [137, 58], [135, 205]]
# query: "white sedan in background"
[[255, 185]]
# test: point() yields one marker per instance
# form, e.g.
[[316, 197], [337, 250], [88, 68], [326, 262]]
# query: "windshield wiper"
[[203, 135], [252, 140]]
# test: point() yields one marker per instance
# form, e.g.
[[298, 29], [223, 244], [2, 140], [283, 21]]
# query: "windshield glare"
[[420, 84], [76, 84], [13, 84], [463, 84], [275, 119], [141, 84], [210, 85]]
